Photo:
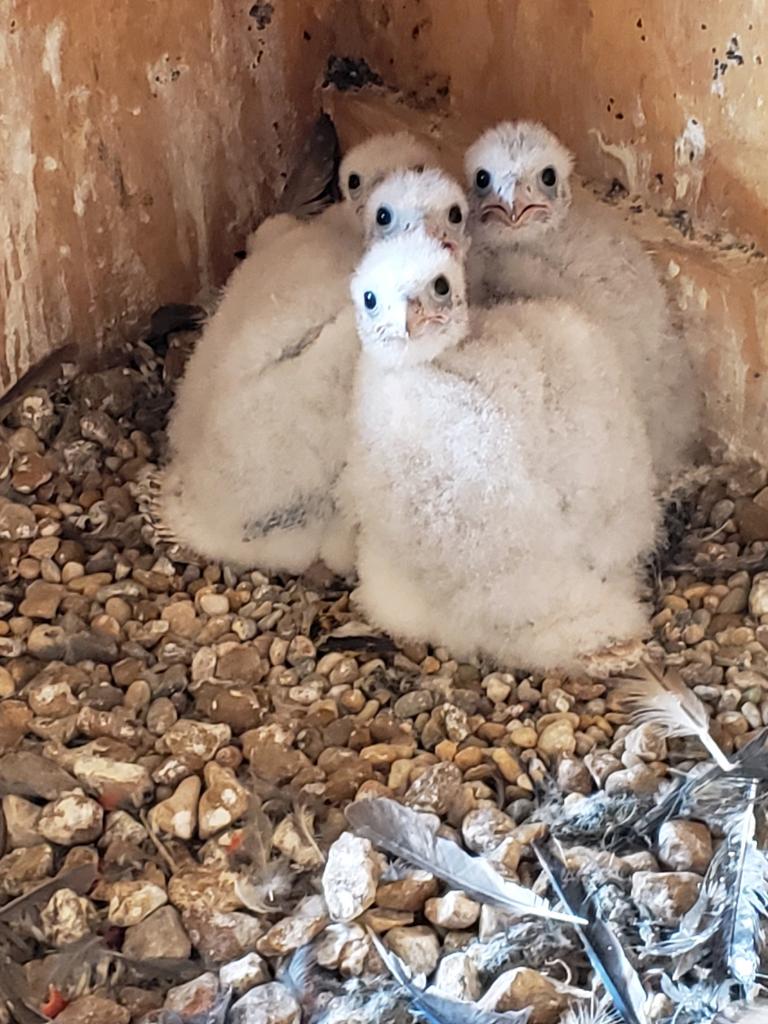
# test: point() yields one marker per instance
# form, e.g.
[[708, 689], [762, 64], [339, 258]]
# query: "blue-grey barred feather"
[[691, 942], [603, 948], [413, 836], [723, 926], [736, 944], [435, 1008]]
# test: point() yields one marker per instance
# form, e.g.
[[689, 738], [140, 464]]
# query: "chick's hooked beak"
[[512, 216], [418, 317]]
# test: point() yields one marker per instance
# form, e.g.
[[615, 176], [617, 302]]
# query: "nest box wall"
[[138, 143]]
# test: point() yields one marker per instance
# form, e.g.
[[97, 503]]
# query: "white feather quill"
[[438, 1009], [268, 888], [662, 699], [413, 836]]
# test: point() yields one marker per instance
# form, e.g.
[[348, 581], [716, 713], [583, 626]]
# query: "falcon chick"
[[503, 491], [258, 432], [428, 199], [531, 240]]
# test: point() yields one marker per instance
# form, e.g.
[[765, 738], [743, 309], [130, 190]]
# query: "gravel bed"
[[178, 744]]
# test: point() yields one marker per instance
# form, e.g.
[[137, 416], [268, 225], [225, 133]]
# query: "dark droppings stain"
[[733, 58], [291, 517], [681, 219], [282, 519], [732, 53], [262, 14], [115, 171], [345, 73]]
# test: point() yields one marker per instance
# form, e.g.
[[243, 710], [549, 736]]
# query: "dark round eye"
[[441, 285], [549, 176], [455, 216], [354, 182], [383, 216], [482, 179], [370, 300], [419, 168]]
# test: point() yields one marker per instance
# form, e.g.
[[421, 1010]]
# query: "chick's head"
[[427, 200], [410, 302], [519, 179]]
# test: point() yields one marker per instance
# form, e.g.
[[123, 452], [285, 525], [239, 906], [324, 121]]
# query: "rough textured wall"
[[670, 97], [138, 142]]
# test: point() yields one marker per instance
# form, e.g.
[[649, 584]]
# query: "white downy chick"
[[428, 199], [259, 429], [531, 240], [502, 501]]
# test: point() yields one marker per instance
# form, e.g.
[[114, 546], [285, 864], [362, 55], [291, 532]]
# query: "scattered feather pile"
[[713, 785]]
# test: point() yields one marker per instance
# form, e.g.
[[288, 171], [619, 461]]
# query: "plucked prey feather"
[[596, 1011], [755, 1014], [79, 878], [601, 945], [736, 946], [438, 1009], [750, 762], [413, 836], [661, 698]]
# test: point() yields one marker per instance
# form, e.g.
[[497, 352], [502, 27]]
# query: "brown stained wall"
[[638, 88], [138, 143]]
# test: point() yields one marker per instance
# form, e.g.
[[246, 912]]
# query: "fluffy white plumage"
[[259, 429], [428, 199], [530, 240], [500, 478]]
